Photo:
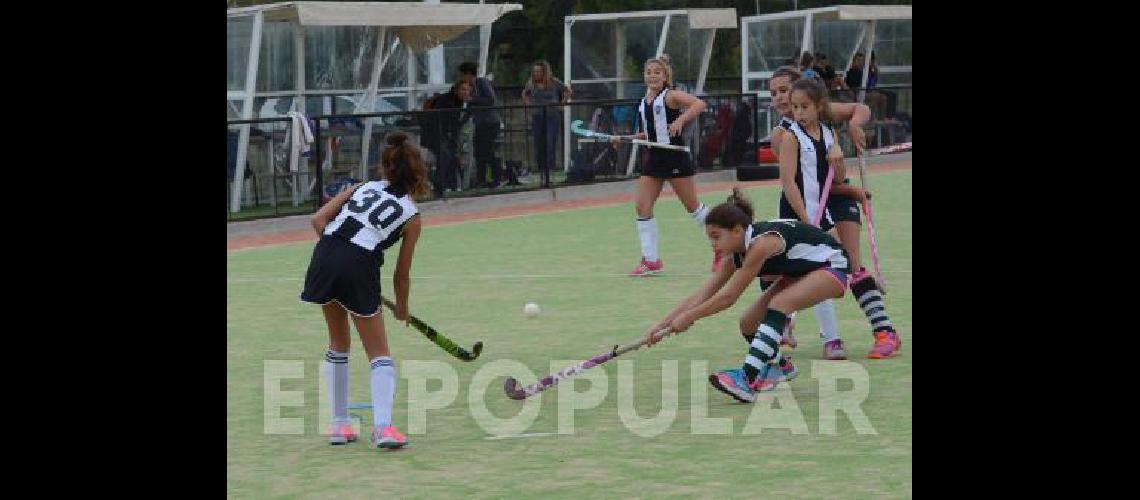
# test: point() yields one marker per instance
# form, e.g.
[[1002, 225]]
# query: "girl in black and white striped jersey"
[[343, 277], [661, 121], [842, 210], [808, 153], [807, 265], [780, 86]]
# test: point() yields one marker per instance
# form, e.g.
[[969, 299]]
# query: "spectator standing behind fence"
[[486, 125], [441, 133], [543, 88]]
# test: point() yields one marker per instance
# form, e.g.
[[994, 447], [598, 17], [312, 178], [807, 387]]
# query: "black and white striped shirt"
[[656, 123], [806, 248], [373, 218], [811, 165]]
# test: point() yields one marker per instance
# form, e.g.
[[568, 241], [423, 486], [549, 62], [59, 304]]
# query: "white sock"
[[383, 390], [647, 231], [828, 322], [336, 373], [699, 215]]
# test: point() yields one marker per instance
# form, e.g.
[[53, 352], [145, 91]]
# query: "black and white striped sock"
[[765, 345], [870, 299]]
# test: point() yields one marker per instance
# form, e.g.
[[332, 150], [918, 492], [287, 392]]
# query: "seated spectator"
[[854, 76], [826, 72], [854, 79]]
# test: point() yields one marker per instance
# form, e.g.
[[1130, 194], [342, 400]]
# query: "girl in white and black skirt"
[[343, 277], [662, 121]]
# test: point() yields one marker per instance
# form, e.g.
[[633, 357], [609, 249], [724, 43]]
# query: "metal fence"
[[525, 149]]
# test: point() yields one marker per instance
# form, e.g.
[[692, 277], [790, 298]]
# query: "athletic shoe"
[[341, 433], [390, 438], [647, 268], [787, 370], [886, 345], [833, 350], [734, 383]]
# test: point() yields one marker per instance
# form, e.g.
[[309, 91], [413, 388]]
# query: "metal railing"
[[527, 148]]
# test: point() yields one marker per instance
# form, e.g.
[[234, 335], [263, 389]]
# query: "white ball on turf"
[[531, 309]]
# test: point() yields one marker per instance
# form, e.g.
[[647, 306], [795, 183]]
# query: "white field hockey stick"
[[519, 393], [576, 127], [901, 147]]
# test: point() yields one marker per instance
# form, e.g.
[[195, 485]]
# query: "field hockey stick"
[[886, 150], [576, 127], [823, 198], [871, 225], [437, 338], [519, 393]]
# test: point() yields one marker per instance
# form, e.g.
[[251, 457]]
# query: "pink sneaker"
[[647, 268], [833, 350], [390, 438], [341, 433], [887, 344]]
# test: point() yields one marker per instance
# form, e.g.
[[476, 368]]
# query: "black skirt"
[[667, 163], [344, 272]]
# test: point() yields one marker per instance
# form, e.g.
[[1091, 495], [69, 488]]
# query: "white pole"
[[246, 111], [369, 97], [867, 59], [484, 46], [413, 69], [664, 35], [299, 61], [705, 62], [805, 43], [437, 74], [855, 48], [298, 102], [744, 69]]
